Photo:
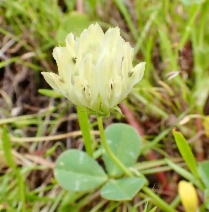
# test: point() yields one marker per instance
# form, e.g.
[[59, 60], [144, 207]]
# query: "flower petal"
[[70, 41], [135, 75], [90, 41], [50, 80], [188, 196], [104, 78], [88, 71], [116, 92], [79, 89], [111, 40]]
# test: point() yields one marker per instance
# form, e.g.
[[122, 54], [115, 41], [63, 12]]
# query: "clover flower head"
[[95, 69], [188, 196]]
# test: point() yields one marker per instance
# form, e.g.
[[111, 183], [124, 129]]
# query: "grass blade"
[[7, 147], [186, 152]]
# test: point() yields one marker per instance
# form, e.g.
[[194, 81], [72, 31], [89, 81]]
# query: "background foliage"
[[171, 36]]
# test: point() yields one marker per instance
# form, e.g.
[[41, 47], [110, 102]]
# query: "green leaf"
[[122, 189], [50, 93], [77, 171], [21, 191], [204, 172], [125, 143], [186, 152], [7, 147], [190, 2]]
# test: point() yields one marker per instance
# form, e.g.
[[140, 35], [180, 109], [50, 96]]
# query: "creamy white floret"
[[95, 70]]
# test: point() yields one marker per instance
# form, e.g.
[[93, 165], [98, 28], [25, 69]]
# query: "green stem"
[[156, 199], [109, 151], [85, 129]]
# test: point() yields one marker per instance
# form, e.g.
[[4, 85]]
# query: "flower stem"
[[156, 199], [85, 128], [109, 151]]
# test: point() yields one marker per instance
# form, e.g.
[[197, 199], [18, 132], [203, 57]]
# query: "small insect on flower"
[[188, 196], [95, 69]]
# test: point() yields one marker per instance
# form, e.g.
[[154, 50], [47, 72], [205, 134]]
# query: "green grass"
[[158, 30]]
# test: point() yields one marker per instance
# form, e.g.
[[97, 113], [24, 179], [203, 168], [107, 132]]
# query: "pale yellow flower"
[[188, 196], [95, 69]]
